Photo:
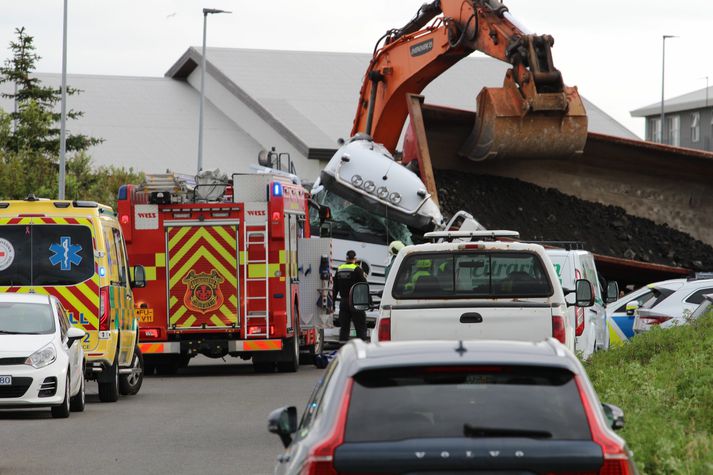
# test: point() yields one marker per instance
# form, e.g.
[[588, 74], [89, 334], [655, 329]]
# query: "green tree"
[[35, 121]]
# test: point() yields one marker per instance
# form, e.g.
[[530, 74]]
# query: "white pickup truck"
[[479, 289]]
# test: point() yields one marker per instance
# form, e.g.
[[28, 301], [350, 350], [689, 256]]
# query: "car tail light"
[[104, 309], [616, 456], [559, 331], [651, 320], [320, 460], [385, 329], [578, 311]]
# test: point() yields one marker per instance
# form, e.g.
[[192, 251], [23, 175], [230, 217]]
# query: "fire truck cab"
[[230, 270]]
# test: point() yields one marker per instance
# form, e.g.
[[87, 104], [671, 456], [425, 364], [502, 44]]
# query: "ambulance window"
[[15, 263], [62, 254], [111, 255], [119, 243]]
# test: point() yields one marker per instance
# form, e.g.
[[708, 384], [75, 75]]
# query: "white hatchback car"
[[41, 363], [677, 305]]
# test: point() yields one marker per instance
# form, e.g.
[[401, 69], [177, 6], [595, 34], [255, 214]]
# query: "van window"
[[46, 254], [472, 274], [112, 256], [121, 256]]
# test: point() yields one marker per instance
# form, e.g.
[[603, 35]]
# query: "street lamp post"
[[663, 75], [206, 12], [63, 113]]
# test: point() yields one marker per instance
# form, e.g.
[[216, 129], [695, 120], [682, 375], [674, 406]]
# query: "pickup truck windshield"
[[472, 275]]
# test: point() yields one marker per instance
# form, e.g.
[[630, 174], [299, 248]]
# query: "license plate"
[[145, 315], [5, 380]]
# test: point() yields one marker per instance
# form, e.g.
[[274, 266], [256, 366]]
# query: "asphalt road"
[[211, 418]]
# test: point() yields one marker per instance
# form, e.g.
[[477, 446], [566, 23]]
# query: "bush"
[[663, 380]]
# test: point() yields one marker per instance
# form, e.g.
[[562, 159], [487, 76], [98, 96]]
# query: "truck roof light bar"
[[492, 235]]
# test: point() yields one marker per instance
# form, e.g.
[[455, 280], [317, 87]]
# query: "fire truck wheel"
[[264, 366], [292, 364], [109, 388], [313, 350], [129, 384]]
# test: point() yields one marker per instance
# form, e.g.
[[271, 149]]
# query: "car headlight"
[[369, 186], [42, 357], [382, 192]]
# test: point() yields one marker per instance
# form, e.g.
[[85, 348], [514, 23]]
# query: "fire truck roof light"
[[277, 189]]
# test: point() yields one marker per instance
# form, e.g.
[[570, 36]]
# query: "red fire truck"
[[230, 270]]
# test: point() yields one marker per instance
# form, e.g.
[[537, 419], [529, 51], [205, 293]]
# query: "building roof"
[[690, 101], [313, 95]]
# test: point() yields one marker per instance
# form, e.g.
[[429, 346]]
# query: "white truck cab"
[[474, 289]]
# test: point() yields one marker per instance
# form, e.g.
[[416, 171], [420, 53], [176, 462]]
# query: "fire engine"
[[231, 269]]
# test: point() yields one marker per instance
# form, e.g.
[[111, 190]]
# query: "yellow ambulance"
[[75, 251]]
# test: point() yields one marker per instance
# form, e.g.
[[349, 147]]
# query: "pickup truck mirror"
[[283, 422], [614, 415], [139, 279], [360, 297], [612, 291], [584, 293], [631, 307]]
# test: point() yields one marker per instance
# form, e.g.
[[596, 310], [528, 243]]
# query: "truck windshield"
[[26, 318], [460, 401], [45, 254], [472, 275]]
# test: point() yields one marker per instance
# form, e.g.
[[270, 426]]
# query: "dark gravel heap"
[[549, 215]]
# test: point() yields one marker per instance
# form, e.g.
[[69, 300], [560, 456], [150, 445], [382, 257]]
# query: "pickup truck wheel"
[[313, 350], [109, 390], [129, 384], [62, 411], [78, 401]]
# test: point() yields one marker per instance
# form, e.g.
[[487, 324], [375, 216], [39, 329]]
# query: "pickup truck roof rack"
[[566, 245], [493, 235]]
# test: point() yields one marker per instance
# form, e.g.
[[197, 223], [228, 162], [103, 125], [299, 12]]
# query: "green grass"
[[663, 380]]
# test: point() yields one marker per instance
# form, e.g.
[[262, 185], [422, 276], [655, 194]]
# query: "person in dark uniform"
[[346, 276]]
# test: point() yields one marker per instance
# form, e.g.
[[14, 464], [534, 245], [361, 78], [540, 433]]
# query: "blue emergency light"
[[277, 189]]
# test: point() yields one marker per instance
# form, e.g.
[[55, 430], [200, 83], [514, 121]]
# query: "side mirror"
[[283, 422], [139, 280], [632, 307], [325, 214], [612, 291], [359, 297], [74, 334], [614, 415], [584, 293]]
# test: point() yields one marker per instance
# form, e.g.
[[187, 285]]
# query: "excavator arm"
[[533, 115]]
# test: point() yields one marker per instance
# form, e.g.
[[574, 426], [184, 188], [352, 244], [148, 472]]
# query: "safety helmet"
[[423, 264], [395, 247]]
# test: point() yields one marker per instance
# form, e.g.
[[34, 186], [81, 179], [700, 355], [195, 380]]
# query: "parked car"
[[678, 305], [590, 323], [704, 308], [41, 360], [452, 407], [481, 289], [621, 313]]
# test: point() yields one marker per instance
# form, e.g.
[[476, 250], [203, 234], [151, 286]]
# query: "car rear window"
[[659, 295], [45, 254], [455, 401], [26, 318], [472, 274]]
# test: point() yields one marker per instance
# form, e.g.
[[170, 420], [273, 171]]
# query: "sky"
[[610, 49]]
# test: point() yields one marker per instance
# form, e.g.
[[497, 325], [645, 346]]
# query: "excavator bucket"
[[553, 125]]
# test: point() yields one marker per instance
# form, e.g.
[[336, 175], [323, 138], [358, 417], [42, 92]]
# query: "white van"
[[473, 290], [590, 324]]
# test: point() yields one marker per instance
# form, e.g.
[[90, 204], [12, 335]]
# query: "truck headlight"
[[395, 198], [369, 186], [357, 180], [382, 192], [42, 357]]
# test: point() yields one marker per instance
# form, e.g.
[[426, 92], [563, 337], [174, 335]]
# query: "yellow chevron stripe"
[[189, 322], [233, 300], [217, 321], [231, 240], [201, 234], [193, 259], [179, 234], [227, 313], [177, 316], [78, 306], [94, 298], [172, 301]]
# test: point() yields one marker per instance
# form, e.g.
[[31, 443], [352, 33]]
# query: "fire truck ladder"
[[255, 236]]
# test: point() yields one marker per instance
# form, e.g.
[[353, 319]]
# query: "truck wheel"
[[62, 411], [78, 401], [129, 384], [109, 389], [313, 350], [292, 364]]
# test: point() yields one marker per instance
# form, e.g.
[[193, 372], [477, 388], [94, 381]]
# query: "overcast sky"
[[610, 49]]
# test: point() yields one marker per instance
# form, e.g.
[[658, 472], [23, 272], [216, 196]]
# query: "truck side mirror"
[[325, 214], [139, 279], [612, 291], [283, 422], [359, 297], [584, 293]]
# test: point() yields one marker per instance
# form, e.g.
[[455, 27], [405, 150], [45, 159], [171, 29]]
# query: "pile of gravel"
[[549, 215]]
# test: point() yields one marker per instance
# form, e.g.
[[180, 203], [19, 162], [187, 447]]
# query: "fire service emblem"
[[203, 291]]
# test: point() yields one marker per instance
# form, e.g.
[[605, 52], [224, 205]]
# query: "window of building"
[[674, 130], [655, 129], [695, 127]]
